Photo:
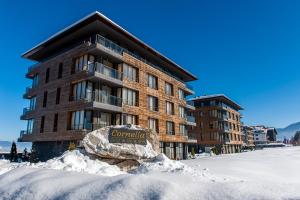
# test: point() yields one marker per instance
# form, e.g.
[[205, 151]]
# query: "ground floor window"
[[81, 119]]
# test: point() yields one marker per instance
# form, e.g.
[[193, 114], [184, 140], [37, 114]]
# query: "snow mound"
[[78, 162], [97, 143], [163, 164]]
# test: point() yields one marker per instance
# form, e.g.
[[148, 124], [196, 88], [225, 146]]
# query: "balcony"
[[25, 112], [191, 120], [32, 70], [89, 126], [101, 100], [190, 105], [29, 93], [189, 89], [105, 73]]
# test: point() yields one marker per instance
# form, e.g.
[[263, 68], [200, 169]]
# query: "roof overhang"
[[98, 23]]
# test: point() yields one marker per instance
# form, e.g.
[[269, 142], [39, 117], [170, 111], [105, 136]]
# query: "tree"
[[296, 138], [13, 152], [193, 152], [33, 158], [72, 146], [25, 155]]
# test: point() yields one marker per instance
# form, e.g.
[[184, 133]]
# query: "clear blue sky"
[[248, 50]]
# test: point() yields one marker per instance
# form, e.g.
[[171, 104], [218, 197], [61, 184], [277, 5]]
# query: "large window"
[[182, 129], [32, 103], [129, 97], [152, 103], [153, 124], [82, 90], [182, 113], [129, 119], [30, 126], [83, 62], [130, 72], [181, 94], [169, 89], [152, 81], [81, 119], [42, 124], [102, 119], [169, 108], [179, 151], [170, 129]]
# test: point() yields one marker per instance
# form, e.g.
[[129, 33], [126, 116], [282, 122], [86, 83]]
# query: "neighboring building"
[[248, 137], [218, 124], [263, 134], [95, 74]]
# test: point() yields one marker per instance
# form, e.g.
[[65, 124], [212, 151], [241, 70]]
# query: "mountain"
[[288, 131], [6, 145]]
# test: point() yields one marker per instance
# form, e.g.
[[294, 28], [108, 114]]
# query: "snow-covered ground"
[[262, 174]]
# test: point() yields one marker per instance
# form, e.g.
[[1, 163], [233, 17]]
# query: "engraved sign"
[[129, 136]]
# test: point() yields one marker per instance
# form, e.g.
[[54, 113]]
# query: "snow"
[[262, 174]]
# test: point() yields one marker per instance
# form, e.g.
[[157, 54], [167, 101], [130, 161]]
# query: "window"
[[30, 123], [181, 94], [102, 119], [35, 81], [60, 70], [45, 99], [181, 112], [55, 122], [152, 81], [129, 97], [153, 124], [129, 119], [81, 119], [169, 108], [32, 103], [42, 124], [47, 75], [170, 128], [84, 62], [161, 147], [169, 89], [182, 129], [82, 90], [130, 72], [179, 151], [152, 103], [57, 95]]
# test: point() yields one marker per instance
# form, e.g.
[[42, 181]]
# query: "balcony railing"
[[191, 103], [99, 96], [119, 50], [89, 126], [190, 119], [105, 70], [27, 110], [32, 67], [25, 132]]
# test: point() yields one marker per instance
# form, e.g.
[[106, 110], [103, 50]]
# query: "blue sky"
[[248, 50]]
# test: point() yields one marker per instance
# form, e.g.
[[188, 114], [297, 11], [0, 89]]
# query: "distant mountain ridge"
[[288, 131]]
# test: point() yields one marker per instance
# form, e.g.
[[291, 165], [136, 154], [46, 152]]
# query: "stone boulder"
[[97, 144]]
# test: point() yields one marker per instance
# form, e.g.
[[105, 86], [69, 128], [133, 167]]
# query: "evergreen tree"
[[25, 155], [193, 152], [13, 152], [33, 156], [72, 146]]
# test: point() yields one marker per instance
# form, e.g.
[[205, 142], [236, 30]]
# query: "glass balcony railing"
[[99, 96], [191, 119], [89, 126], [105, 70], [25, 132], [191, 103], [119, 50], [27, 110]]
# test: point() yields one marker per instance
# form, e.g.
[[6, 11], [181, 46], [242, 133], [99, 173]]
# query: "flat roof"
[[36, 55], [217, 96]]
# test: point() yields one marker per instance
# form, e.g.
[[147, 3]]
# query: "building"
[[248, 137], [94, 74], [263, 134], [218, 124]]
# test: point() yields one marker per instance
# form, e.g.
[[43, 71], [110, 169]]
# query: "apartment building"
[[248, 137], [94, 74], [263, 134], [218, 124]]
